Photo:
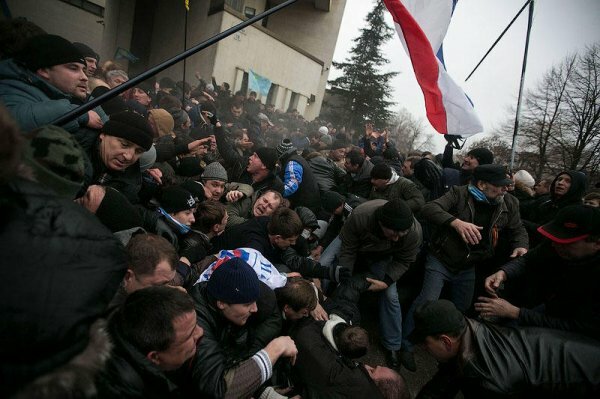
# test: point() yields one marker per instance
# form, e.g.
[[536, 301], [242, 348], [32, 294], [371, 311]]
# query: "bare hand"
[[518, 252], [282, 346], [319, 313], [492, 283], [496, 307], [245, 145], [94, 121], [156, 175], [194, 145], [376, 285], [234, 195], [92, 198], [469, 232]]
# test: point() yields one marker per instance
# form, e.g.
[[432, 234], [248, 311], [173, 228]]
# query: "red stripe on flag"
[[424, 64]]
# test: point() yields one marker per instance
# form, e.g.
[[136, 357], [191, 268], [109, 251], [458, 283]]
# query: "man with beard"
[[469, 223]]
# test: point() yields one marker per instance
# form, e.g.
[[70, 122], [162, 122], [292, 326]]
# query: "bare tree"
[[407, 131]]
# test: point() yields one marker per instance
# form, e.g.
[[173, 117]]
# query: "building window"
[[87, 6], [249, 12], [237, 5]]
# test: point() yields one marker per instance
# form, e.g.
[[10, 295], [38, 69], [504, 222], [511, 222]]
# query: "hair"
[[285, 223], [594, 195], [277, 195], [146, 251], [237, 104], [183, 86], [237, 134], [208, 214], [146, 318], [113, 73], [393, 388], [413, 159], [298, 294], [355, 157], [169, 101], [352, 341], [381, 171]]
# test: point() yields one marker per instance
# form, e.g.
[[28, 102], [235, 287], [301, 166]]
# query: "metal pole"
[[514, 140], [498, 39], [164, 65], [184, 61]]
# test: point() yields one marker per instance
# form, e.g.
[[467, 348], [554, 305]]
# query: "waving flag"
[[422, 26]]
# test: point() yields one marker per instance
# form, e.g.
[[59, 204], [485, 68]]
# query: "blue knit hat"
[[234, 281]]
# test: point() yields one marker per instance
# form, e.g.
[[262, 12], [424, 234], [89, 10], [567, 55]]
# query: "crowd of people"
[[181, 240]]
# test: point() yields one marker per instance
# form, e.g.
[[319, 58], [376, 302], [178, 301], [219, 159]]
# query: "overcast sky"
[[560, 28]]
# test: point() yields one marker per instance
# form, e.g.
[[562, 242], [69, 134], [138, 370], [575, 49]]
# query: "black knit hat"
[[482, 155], [233, 281], [331, 201], [86, 51], [268, 156], [130, 126], [117, 213], [395, 215], [286, 146], [176, 199], [381, 171], [48, 50], [148, 88]]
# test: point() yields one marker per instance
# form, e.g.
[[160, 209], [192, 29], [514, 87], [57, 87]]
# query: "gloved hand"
[[339, 274]]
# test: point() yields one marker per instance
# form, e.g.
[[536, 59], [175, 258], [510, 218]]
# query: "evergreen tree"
[[365, 91]]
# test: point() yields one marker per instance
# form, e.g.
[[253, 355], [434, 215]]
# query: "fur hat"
[[214, 171], [57, 160], [482, 155], [395, 215], [130, 126], [268, 156], [233, 282], [176, 199], [48, 50]]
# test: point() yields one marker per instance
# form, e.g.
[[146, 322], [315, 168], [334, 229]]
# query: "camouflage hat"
[[57, 160]]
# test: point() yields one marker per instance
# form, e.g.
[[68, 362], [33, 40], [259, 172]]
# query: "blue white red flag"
[[422, 26]]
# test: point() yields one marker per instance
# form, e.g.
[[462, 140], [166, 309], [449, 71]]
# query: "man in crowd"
[[486, 361], [358, 179], [325, 168], [389, 186], [247, 208]]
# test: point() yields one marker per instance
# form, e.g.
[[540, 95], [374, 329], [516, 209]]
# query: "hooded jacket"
[[399, 187]]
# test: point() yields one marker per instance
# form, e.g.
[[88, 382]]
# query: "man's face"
[[577, 250], [592, 202], [337, 155], [163, 274], [291, 314], [141, 97], [379, 184], [115, 81], [237, 111], [91, 65], [254, 164], [265, 205], [406, 168], [350, 168], [237, 313], [562, 185], [118, 153], [185, 217], [284, 243], [470, 163], [438, 348], [213, 189], [541, 188], [491, 191], [392, 235], [183, 347], [69, 78]]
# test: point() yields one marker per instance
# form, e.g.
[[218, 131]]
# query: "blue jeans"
[[390, 313], [462, 285]]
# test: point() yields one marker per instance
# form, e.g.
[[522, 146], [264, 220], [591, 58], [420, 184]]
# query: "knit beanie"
[[524, 177], [214, 171], [48, 50], [331, 201], [57, 160], [284, 147], [148, 88], [117, 213], [195, 188], [130, 126], [86, 51], [482, 155], [395, 215], [147, 159], [381, 171], [233, 282], [176, 199], [268, 156]]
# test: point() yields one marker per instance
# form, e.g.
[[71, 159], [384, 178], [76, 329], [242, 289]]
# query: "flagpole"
[[164, 65], [185, 26], [514, 139]]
